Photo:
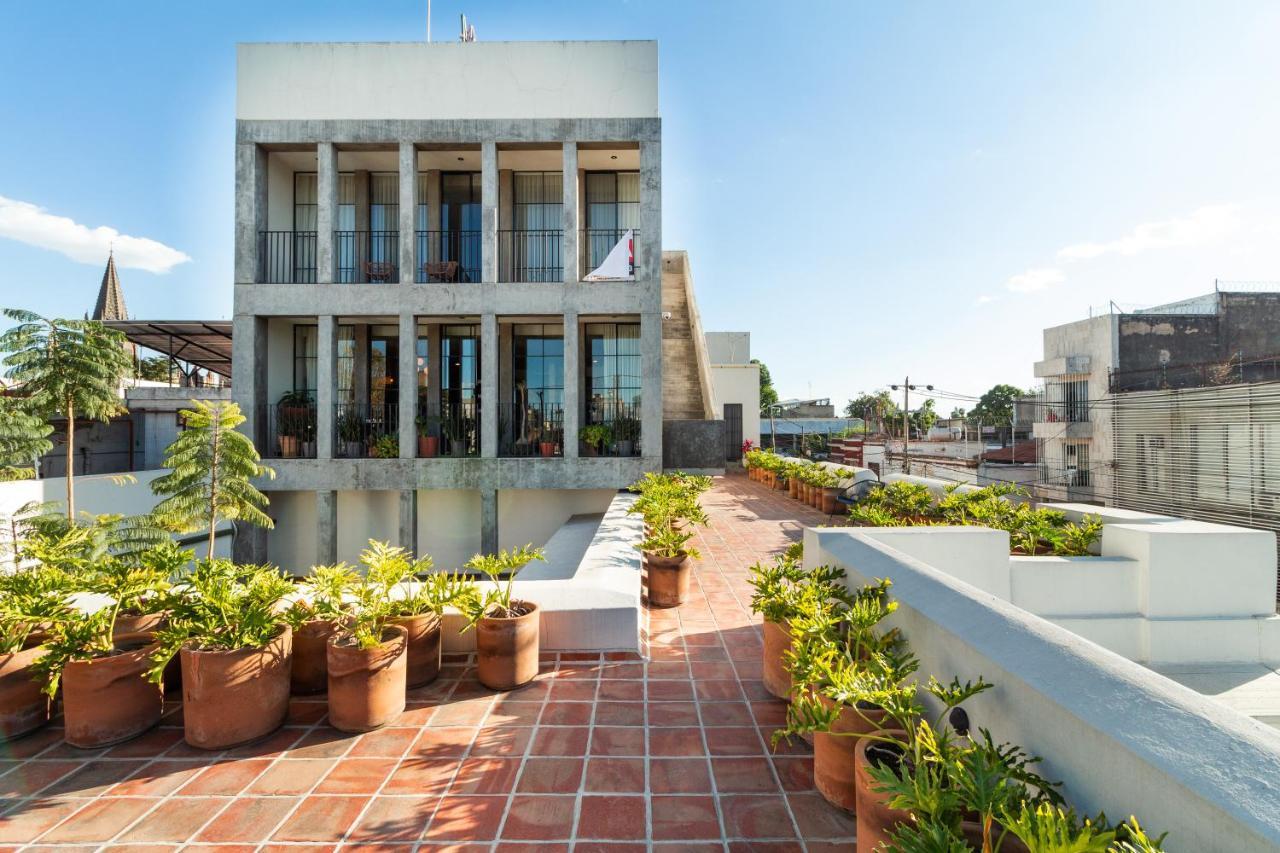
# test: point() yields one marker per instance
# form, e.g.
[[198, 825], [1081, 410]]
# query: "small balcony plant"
[[293, 416], [320, 605], [626, 434], [226, 627], [351, 433], [595, 438], [367, 662], [506, 627], [428, 441], [385, 446]]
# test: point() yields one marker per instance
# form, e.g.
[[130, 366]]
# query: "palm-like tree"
[[72, 368], [212, 469]]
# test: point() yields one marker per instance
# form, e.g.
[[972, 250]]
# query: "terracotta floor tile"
[[322, 743], [320, 818], [27, 779], [751, 816], [726, 714], [684, 818], [423, 776], [466, 819], [550, 775], [612, 817], [305, 712], [672, 714], [100, 820], [149, 745], [669, 691], [794, 772], [384, 743], [502, 741], [572, 691], [746, 775], [468, 713], [734, 740], [560, 741], [675, 742], [248, 819], [159, 778], [514, 714], [175, 820], [394, 819], [486, 776], [356, 776], [617, 740], [33, 818], [679, 776], [451, 742], [817, 818], [566, 714], [226, 778], [271, 746], [539, 817], [291, 776], [615, 775], [621, 691], [619, 714], [93, 778]]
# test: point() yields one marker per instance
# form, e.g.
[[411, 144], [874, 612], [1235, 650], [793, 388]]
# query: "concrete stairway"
[[683, 393]]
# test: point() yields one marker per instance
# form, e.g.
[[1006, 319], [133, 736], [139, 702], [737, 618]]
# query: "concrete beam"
[[251, 208], [408, 210], [326, 527], [489, 521], [426, 131], [408, 386], [409, 520], [461, 473], [489, 211], [572, 384], [489, 402], [326, 383], [572, 272], [326, 209]]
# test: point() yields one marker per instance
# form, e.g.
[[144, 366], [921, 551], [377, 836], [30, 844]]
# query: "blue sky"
[[871, 189]]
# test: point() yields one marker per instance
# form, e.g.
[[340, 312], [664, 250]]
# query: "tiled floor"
[[600, 753]]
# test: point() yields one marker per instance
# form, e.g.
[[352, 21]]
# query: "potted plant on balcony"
[[550, 439], [293, 411], [626, 431], [418, 598], [366, 662], [506, 627], [595, 437], [428, 443], [319, 607], [385, 446], [667, 553], [29, 600], [236, 651], [101, 670], [351, 434]]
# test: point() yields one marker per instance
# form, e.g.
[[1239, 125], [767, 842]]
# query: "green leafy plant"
[[29, 600], [668, 541], [324, 595], [410, 584], [1046, 828], [72, 368], [596, 435], [212, 469], [427, 425], [24, 437], [386, 446], [496, 602], [220, 606]]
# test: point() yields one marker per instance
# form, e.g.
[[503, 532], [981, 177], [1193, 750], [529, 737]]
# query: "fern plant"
[[212, 469], [410, 584], [71, 368], [325, 595], [496, 602], [24, 438], [30, 599], [220, 606]]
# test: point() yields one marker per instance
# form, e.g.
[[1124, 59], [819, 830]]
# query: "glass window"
[[538, 366], [305, 197], [460, 365], [304, 358], [538, 201], [384, 366], [346, 364], [613, 371], [613, 208]]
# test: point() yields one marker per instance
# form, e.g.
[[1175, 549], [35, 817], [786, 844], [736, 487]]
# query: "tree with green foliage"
[[72, 368], [212, 469], [768, 394], [156, 368], [924, 417], [24, 437], [958, 413], [874, 408], [995, 408]]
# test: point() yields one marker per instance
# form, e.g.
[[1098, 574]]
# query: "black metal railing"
[[363, 431], [453, 432], [612, 428], [289, 431], [530, 256], [287, 257], [366, 257], [597, 243], [448, 256], [531, 430]]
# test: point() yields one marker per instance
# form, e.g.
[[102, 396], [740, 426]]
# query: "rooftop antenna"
[[468, 30]]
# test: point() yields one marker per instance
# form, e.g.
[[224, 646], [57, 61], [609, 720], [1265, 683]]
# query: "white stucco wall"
[[365, 515], [533, 515], [292, 543], [448, 80], [449, 525], [739, 383]]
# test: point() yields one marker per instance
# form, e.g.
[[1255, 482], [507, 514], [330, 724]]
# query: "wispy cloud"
[[1209, 226], [35, 226], [985, 298], [1033, 280]]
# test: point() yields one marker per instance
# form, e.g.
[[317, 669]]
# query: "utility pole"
[[907, 388]]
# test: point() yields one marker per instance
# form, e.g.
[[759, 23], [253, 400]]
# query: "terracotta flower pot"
[[108, 700], [366, 686], [310, 670], [669, 579], [236, 697], [143, 623], [547, 449], [288, 446], [428, 446], [793, 487], [777, 639], [835, 754], [507, 648], [424, 647], [23, 706], [815, 497], [830, 499], [875, 819]]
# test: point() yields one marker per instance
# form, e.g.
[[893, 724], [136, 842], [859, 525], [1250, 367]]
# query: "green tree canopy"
[[71, 368], [958, 412], [213, 466], [156, 368], [768, 396], [924, 417], [995, 408], [23, 438]]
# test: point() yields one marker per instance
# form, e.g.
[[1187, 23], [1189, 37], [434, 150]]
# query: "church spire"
[[110, 296]]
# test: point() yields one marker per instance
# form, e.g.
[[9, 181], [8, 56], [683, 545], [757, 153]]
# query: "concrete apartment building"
[[416, 344]]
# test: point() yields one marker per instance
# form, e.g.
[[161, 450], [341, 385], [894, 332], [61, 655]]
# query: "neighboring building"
[[820, 408], [735, 382], [418, 345]]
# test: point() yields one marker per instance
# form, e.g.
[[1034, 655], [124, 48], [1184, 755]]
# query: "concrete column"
[[326, 527], [408, 211], [362, 225], [409, 520], [489, 521], [489, 401], [360, 365], [408, 388], [433, 201], [506, 373], [489, 211], [651, 386], [572, 384], [249, 370], [249, 544], [649, 244], [326, 383], [251, 208], [433, 370], [326, 209], [569, 252]]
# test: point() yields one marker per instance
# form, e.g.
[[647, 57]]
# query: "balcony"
[[289, 431], [531, 256], [612, 429], [448, 257], [366, 431], [527, 431], [597, 243], [1059, 427], [454, 433], [287, 257], [366, 257]]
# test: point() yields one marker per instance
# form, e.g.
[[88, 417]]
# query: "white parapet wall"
[[1121, 739]]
